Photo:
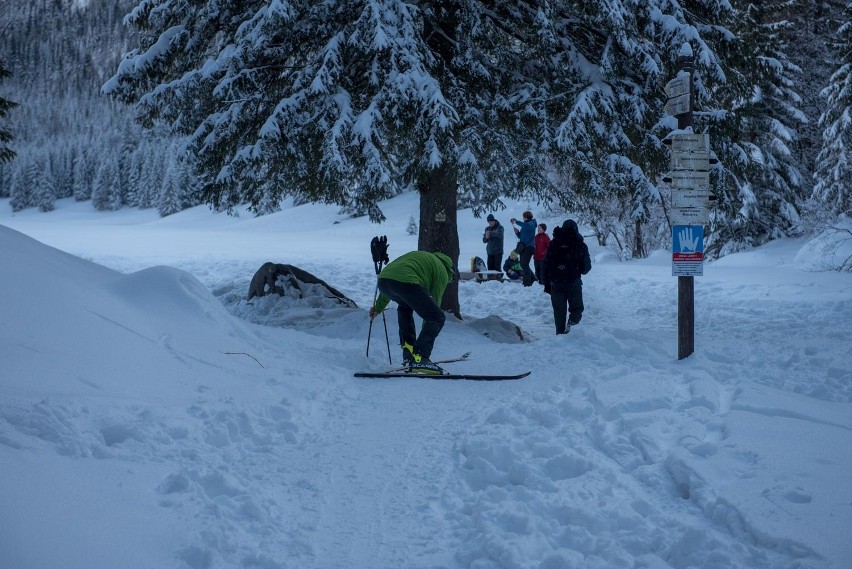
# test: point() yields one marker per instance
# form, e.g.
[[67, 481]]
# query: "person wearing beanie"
[[512, 267], [542, 241], [566, 260], [526, 243], [493, 239]]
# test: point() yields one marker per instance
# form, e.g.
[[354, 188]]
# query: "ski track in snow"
[[529, 474]]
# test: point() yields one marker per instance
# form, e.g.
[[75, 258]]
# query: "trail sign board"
[[690, 216], [694, 198], [696, 161], [678, 105], [678, 86], [688, 179], [687, 142]]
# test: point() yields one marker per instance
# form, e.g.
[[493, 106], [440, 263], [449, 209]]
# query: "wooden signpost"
[[690, 182]]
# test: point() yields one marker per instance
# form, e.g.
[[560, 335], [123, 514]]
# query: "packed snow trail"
[[386, 458]]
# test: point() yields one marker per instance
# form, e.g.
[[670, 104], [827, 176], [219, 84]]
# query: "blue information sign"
[[687, 250]]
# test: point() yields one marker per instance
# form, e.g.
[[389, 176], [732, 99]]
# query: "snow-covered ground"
[[151, 418]]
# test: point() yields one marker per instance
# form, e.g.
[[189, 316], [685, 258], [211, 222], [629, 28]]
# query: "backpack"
[[565, 264]]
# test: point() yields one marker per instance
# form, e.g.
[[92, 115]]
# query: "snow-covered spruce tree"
[[5, 180], [30, 172], [159, 171], [354, 102], [62, 168], [269, 205], [44, 193], [126, 153], [134, 177], [812, 25], [830, 206], [618, 55], [833, 188], [608, 76], [628, 53], [145, 180], [188, 180], [752, 114], [171, 194], [106, 193], [6, 152], [83, 176]]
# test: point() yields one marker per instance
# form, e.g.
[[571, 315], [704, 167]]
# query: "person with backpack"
[[526, 243], [566, 260], [542, 242], [416, 281], [493, 239]]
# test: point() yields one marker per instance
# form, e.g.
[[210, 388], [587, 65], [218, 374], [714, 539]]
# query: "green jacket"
[[433, 271]]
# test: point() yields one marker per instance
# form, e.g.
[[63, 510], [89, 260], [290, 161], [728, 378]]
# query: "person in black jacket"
[[566, 260], [493, 238]]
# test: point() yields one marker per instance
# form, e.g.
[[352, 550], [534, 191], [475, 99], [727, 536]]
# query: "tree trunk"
[[438, 226], [640, 245]]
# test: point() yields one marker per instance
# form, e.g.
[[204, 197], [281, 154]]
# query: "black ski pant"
[[526, 255], [413, 298], [493, 261], [567, 301]]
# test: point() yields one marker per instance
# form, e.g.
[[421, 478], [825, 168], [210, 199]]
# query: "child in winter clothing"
[[542, 241], [512, 267]]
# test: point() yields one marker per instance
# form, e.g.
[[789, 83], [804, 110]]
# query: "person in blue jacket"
[[526, 243]]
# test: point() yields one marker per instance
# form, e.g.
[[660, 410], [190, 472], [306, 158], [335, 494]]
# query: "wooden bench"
[[482, 276]]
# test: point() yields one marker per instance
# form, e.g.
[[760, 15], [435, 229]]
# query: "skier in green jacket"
[[416, 282]]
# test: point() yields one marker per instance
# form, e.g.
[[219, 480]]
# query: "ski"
[[467, 376], [461, 358]]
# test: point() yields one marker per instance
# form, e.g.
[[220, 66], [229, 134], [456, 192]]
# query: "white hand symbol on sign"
[[687, 241]]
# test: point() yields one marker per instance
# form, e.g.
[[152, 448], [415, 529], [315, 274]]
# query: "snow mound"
[[169, 293], [43, 271], [828, 251]]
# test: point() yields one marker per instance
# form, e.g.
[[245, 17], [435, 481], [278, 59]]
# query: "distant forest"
[[779, 121], [69, 139]]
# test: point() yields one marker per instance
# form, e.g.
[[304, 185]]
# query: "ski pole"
[[370, 330], [384, 319], [379, 250], [385, 322]]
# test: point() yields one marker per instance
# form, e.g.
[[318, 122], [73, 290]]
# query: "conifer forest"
[[168, 105]]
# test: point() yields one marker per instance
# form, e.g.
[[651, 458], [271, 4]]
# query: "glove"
[[373, 313]]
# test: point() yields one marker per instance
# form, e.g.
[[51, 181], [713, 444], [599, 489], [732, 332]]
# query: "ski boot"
[[417, 363]]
